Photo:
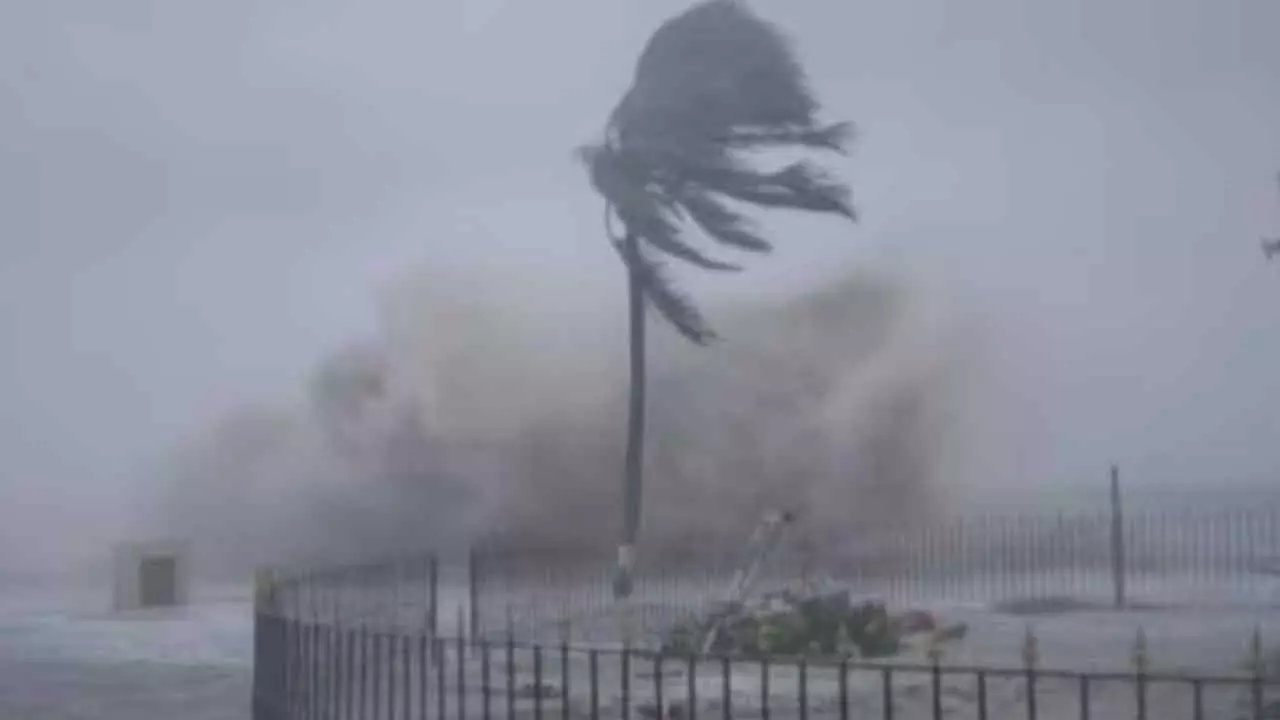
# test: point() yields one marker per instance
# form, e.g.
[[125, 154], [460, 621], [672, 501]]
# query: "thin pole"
[[1118, 570]]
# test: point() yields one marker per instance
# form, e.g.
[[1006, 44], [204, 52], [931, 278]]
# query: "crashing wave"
[[460, 423]]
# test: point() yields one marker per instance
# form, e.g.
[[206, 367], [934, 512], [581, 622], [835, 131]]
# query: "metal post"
[[433, 596], [262, 691], [269, 637], [473, 595], [1118, 569]]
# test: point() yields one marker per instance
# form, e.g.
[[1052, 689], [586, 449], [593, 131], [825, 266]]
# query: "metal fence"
[[1192, 557], [367, 640], [317, 670], [1189, 557], [394, 592]]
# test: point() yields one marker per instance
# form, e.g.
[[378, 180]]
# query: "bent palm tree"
[[712, 83]]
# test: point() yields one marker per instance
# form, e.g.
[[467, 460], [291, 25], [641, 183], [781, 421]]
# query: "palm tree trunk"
[[633, 468]]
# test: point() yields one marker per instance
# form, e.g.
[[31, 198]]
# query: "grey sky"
[[199, 199]]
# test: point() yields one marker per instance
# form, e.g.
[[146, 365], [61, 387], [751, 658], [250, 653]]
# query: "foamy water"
[[64, 656]]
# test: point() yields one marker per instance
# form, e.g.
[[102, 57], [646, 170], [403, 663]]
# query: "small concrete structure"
[[151, 574]]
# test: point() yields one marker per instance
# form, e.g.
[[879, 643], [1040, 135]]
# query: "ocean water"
[[65, 656]]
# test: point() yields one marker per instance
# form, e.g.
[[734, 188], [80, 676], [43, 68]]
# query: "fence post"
[[473, 594], [1118, 569], [433, 595], [268, 651], [261, 708], [1258, 669]]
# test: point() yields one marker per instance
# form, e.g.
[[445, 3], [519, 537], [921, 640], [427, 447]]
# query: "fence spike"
[[1030, 648], [1141, 659], [1257, 661], [461, 628]]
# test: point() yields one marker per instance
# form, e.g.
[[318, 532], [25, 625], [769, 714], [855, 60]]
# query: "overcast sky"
[[198, 199]]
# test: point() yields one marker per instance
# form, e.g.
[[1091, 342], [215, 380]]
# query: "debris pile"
[[829, 625]]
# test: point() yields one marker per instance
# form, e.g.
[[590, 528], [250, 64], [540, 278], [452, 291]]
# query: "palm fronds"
[[711, 83], [673, 305]]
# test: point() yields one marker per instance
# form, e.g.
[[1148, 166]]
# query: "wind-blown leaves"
[[799, 186], [715, 68], [663, 234], [721, 223], [712, 83], [670, 303], [833, 137]]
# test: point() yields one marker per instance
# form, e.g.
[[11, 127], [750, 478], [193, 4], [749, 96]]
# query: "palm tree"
[[712, 83]]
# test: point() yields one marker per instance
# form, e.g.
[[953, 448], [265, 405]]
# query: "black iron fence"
[[318, 670], [544, 634], [407, 591], [1192, 557]]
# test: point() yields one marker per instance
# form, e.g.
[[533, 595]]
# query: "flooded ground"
[[63, 656]]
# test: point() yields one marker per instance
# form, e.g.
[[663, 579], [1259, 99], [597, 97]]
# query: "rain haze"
[[199, 203]]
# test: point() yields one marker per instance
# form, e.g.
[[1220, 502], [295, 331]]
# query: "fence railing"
[[368, 641], [402, 591], [313, 670], [1194, 557], [1205, 557]]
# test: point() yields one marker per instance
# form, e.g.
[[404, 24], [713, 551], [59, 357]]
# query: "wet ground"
[[64, 657]]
